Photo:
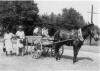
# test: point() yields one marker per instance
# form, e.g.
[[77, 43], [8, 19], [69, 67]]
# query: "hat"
[[20, 27]]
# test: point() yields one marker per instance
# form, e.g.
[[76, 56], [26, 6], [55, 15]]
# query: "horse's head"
[[93, 32]]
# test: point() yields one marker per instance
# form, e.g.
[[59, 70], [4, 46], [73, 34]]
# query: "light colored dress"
[[8, 41], [19, 44], [21, 37]]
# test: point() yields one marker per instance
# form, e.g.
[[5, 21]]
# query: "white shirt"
[[36, 30], [45, 32], [20, 34]]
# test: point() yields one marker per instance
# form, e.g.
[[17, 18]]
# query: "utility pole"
[[92, 15], [91, 20]]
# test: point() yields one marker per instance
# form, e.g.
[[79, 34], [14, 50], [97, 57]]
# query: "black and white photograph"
[[49, 35]]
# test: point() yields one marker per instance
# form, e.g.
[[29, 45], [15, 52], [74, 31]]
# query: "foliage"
[[13, 13], [69, 18], [72, 17]]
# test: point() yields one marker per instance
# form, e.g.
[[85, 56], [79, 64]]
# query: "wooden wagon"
[[34, 42], [40, 45]]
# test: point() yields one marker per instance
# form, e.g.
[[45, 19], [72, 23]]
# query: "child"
[[20, 34]]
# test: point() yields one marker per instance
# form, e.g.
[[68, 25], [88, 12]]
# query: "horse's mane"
[[87, 26]]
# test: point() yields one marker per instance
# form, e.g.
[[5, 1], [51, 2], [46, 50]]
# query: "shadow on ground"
[[79, 58]]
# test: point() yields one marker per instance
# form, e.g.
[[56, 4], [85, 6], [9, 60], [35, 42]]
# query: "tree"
[[45, 19], [53, 18], [59, 20], [72, 17], [13, 13]]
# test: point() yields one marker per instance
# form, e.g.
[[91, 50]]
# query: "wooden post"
[[91, 21]]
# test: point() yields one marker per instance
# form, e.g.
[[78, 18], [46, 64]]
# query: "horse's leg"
[[80, 43], [57, 52], [75, 54], [76, 50]]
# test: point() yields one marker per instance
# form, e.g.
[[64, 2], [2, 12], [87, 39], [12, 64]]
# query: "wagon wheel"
[[61, 50], [36, 51], [45, 50]]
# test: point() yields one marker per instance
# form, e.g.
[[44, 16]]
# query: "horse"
[[75, 41]]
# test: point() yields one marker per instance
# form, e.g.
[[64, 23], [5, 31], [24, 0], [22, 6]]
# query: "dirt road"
[[87, 61]]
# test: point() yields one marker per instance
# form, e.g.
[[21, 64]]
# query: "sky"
[[83, 7]]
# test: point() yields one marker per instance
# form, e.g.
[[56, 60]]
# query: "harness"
[[80, 34]]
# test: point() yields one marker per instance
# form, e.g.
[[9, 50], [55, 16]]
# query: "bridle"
[[92, 34]]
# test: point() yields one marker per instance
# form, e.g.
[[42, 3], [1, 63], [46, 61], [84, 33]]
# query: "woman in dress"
[[8, 42]]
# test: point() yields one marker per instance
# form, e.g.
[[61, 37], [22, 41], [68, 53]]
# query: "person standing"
[[20, 37], [8, 42]]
